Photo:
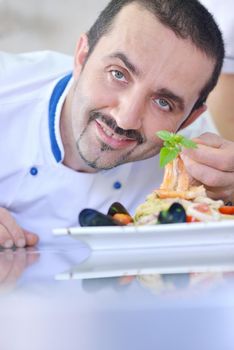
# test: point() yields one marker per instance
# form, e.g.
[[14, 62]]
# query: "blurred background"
[[32, 25], [29, 25]]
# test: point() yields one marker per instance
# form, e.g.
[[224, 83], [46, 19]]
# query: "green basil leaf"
[[188, 143], [168, 144], [164, 135], [172, 146], [178, 138], [167, 155], [177, 147]]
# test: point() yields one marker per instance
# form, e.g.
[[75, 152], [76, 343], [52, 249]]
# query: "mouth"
[[111, 138]]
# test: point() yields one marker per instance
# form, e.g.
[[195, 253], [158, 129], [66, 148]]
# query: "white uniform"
[[223, 13], [35, 186]]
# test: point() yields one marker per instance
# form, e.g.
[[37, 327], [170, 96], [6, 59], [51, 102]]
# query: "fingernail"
[[8, 244], [20, 243]]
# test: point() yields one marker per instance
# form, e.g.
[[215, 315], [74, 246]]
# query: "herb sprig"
[[172, 146]]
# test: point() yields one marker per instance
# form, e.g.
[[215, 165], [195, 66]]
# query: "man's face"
[[139, 79]]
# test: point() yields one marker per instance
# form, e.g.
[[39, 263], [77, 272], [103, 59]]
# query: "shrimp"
[[176, 183]]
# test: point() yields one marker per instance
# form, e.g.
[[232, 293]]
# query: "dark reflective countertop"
[[63, 296]]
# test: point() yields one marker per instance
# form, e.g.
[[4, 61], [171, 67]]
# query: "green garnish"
[[172, 146]]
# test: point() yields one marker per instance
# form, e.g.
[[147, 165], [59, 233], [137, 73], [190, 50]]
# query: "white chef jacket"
[[223, 12], [39, 191]]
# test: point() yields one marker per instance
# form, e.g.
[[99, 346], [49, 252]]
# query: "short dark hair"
[[188, 19]]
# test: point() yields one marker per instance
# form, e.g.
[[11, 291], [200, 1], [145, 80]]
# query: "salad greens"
[[172, 146]]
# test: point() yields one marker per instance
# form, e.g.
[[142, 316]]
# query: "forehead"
[[156, 50]]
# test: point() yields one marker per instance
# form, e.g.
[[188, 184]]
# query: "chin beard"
[[98, 164]]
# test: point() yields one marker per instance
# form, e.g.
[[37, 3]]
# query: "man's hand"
[[11, 234], [212, 164]]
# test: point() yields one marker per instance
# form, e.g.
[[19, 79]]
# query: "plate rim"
[[149, 229]]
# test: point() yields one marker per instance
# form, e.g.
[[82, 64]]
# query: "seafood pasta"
[[178, 200]]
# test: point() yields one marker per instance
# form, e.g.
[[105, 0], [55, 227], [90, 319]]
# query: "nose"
[[128, 112]]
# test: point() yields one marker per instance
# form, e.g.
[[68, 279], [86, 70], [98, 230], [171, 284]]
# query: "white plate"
[[157, 236]]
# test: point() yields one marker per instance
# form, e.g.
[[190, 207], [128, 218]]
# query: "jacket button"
[[117, 185], [33, 171]]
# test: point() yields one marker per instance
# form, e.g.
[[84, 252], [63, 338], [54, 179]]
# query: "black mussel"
[[178, 212], [117, 208], [92, 217], [175, 214], [120, 213], [229, 204], [164, 217]]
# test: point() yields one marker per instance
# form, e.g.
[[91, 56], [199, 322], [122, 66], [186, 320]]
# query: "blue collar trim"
[[57, 93]]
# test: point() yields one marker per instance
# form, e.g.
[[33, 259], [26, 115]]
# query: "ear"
[[82, 49], [193, 116]]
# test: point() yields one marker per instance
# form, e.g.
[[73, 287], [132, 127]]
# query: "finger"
[[210, 139], [216, 158], [31, 238], [13, 229], [207, 175], [224, 193], [215, 194], [6, 240]]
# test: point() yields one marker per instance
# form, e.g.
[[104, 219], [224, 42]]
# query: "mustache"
[[111, 123]]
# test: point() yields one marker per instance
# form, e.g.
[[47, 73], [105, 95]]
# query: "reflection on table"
[[124, 300]]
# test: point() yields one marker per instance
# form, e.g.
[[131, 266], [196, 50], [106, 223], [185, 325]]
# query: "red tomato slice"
[[226, 209], [190, 218]]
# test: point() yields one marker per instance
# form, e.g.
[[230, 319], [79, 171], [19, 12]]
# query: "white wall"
[[27, 25]]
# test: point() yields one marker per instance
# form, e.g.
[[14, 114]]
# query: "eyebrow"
[[163, 92], [126, 61], [169, 94]]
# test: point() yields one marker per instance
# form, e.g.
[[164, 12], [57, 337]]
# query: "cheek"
[[99, 90], [155, 124]]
